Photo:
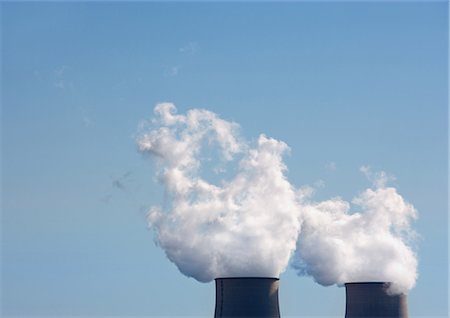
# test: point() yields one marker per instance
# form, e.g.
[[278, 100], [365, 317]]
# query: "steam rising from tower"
[[338, 246], [246, 224]]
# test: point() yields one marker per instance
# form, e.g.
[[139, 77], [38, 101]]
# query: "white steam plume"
[[244, 226], [337, 246]]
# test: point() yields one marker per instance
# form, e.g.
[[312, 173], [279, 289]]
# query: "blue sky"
[[344, 84]]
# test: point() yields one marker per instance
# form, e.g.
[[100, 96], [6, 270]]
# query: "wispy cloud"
[[331, 166], [122, 181], [319, 184], [59, 71], [172, 71], [86, 118], [190, 48], [87, 121], [379, 179], [60, 78]]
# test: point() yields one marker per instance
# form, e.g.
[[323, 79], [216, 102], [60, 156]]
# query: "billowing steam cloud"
[[248, 223], [337, 246], [245, 226]]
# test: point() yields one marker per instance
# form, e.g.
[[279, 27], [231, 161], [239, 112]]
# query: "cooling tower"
[[370, 299], [247, 297]]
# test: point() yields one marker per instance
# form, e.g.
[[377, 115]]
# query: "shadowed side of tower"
[[247, 297], [370, 299]]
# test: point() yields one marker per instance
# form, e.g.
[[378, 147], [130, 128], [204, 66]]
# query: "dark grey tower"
[[247, 297], [371, 300]]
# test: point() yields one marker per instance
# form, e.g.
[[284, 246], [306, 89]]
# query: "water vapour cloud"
[[338, 246], [245, 225], [248, 223]]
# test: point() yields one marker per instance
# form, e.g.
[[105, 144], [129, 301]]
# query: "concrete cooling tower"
[[370, 299], [247, 297]]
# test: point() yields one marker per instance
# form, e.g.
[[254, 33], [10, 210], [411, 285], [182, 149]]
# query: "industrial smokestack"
[[247, 297], [371, 299]]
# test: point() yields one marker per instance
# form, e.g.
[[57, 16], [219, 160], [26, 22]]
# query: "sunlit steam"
[[247, 224], [337, 246]]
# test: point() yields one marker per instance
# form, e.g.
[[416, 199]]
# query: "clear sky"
[[344, 84]]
